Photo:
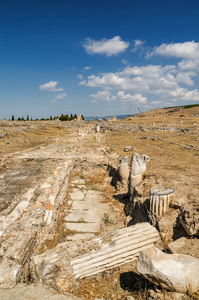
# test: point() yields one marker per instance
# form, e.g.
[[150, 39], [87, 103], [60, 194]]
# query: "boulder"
[[175, 272], [128, 148]]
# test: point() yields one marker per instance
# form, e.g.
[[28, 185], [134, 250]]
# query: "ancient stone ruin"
[[60, 228], [160, 199]]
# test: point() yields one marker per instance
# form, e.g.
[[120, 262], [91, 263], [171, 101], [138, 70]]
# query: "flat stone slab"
[[79, 182], [80, 205], [78, 195], [83, 227], [94, 195], [80, 236], [86, 216]]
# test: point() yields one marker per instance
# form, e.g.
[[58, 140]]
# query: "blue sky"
[[97, 57]]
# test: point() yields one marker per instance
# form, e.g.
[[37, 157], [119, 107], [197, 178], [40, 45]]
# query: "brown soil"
[[174, 163]]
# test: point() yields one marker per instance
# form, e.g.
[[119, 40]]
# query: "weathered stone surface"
[[176, 272], [34, 292], [175, 246], [78, 195], [123, 168], [160, 199], [63, 265], [97, 128], [82, 216], [83, 227], [80, 236], [80, 205], [185, 246], [128, 148], [138, 167], [10, 273], [78, 182], [189, 221], [15, 214]]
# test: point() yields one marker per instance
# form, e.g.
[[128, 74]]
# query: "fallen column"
[[62, 266], [126, 246]]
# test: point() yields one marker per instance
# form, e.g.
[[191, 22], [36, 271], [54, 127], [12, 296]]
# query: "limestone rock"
[[10, 274], [63, 265], [176, 272], [123, 168], [128, 148], [79, 118], [189, 221], [160, 199], [97, 128], [138, 167], [176, 245]]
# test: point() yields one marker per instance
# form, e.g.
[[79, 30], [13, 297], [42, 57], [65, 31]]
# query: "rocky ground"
[[59, 187]]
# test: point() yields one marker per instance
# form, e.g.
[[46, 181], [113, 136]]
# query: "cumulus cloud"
[[186, 77], [187, 50], [103, 95], [59, 97], [152, 78], [136, 98], [138, 83], [138, 44], [80, 76], [87, 68], [155, 84], [50, 86], [121, 97], [109, 47]]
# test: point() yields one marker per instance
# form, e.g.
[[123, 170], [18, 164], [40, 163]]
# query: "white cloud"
[[80, 77], [136, 98], [152, 79], [185, 94], [109, 47], [138, 44], [129, 85], [152, 84], [87, 68], [59, 97], [189, 64], [187, 50], [185, 77], [50, 86], [125, 62], [103, 95]]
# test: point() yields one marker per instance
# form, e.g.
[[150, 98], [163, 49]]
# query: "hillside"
[[178, 111]]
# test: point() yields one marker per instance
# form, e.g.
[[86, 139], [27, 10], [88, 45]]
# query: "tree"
[[51, 117], [82, 117], [13, 118], [27, 117]]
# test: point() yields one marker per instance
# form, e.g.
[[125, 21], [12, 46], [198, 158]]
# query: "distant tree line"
[[61, 118], [182, 106]]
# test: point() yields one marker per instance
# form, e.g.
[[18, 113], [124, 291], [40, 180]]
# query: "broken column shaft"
[[160, 198]]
